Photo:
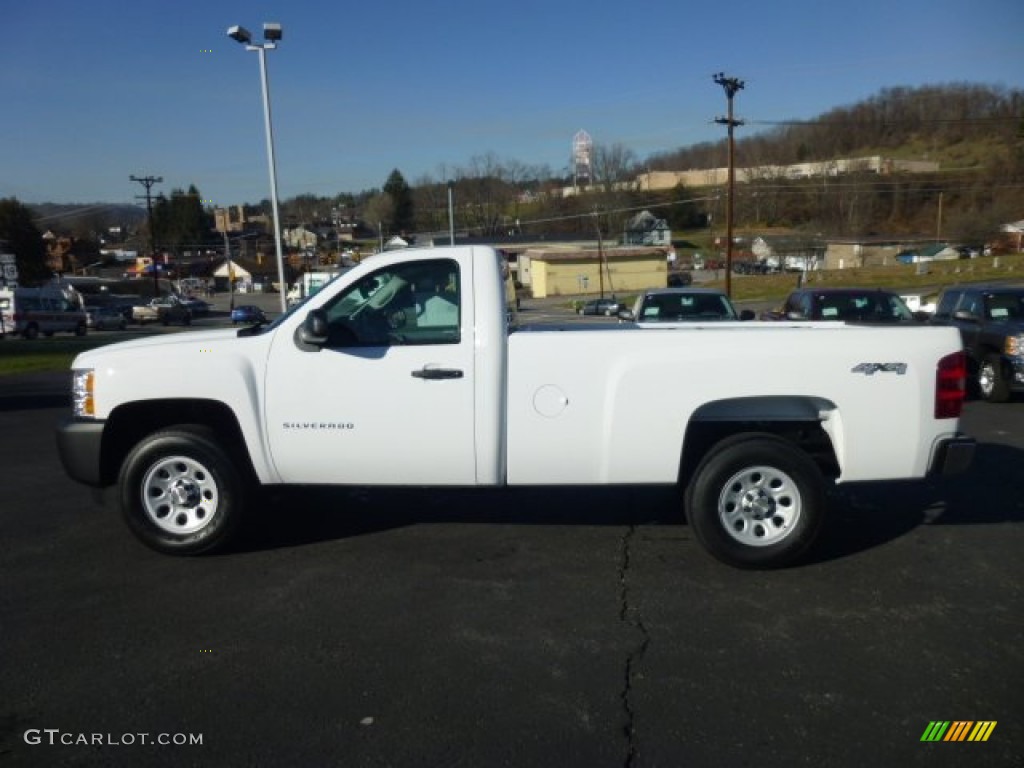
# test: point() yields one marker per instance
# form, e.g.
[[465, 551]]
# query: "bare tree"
[[613, 165]]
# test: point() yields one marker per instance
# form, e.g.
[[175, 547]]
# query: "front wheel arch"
[[756, 500], [180, 492]]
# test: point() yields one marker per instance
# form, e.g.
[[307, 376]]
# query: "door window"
[[412, 303]]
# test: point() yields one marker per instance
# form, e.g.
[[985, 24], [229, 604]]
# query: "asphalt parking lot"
[[534, 627]]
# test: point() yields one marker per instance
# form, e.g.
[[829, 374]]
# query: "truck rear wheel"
[[180, 493], [756, 501]]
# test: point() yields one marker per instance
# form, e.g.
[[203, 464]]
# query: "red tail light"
[[950, 386]]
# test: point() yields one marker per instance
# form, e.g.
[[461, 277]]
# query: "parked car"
[[248, 314], [991, 323], [683, 305], [106, 318], [196, 306], [165, 309], [851, 305], [679, 279], [607, 307], [144, 313]]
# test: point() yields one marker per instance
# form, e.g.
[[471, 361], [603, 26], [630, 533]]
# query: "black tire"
[[991, 380], [756, 501], [31, 332], [180, 493], [80, 329]]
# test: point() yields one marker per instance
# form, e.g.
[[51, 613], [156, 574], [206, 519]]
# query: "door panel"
[[389, 401]]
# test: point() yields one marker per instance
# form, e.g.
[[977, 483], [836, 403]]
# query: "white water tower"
[[582, 157]]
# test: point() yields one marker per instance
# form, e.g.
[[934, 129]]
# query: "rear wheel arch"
[[797, 419]]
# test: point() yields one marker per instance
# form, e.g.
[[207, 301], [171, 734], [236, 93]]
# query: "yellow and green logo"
[[958, 730]]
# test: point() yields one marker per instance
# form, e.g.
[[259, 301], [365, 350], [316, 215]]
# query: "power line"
[[590, 214], [1009, 119]]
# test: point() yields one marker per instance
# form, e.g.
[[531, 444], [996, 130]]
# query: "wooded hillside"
[[975, 133]]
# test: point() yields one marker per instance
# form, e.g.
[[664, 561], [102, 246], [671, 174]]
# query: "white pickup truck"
[[405, 371]]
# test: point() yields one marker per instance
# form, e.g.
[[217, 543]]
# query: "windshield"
[[868, 307], [676, 307]]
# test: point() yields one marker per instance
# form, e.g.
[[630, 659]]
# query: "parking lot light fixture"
[[271, 35]]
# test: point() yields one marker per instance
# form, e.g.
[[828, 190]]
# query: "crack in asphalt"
[[630, 617]]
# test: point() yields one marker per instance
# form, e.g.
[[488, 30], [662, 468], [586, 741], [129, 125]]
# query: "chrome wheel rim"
[[180, 495], [986, 378], [759, 506]]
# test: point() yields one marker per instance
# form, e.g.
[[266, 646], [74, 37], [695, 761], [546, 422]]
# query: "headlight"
[[1014, 345], [82, 383]]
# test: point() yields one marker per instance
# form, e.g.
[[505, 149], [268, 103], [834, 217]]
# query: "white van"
[[46, 310]]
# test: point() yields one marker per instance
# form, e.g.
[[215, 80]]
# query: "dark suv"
[[991, 323], [851, 305]]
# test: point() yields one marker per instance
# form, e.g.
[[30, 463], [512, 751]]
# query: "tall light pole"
[[731, 85], [271, 35], [451, 214]]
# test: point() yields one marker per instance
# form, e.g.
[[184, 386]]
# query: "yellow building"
[[574, 272]]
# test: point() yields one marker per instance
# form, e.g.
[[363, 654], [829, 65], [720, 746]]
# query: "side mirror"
[[626, 315], [746, 314], [311, 336], [965, 315], [795, 316]]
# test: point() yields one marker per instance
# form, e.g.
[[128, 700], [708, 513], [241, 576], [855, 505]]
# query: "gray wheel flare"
[[759, 506], [179, 495]]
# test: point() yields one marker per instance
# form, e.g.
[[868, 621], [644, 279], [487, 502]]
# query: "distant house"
[[928, 253], [872, 251], [1015, 230], [299, 238], [570, 271], [646, 229]]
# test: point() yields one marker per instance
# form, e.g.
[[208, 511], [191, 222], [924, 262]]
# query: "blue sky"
[[94, 92]]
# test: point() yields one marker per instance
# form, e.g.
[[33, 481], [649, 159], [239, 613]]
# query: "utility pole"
[[600, 253], [148, 182], [731, 86]]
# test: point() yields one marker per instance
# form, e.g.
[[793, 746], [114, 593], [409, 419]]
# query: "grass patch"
[[927, 279], [42, 355]]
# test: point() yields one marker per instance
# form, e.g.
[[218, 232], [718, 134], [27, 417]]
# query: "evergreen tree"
[[24, 239], [181, 221], [403, 216]]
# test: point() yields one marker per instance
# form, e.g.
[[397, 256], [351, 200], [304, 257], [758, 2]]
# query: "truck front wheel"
[[992, 384], [756, 501], [180, 493]]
